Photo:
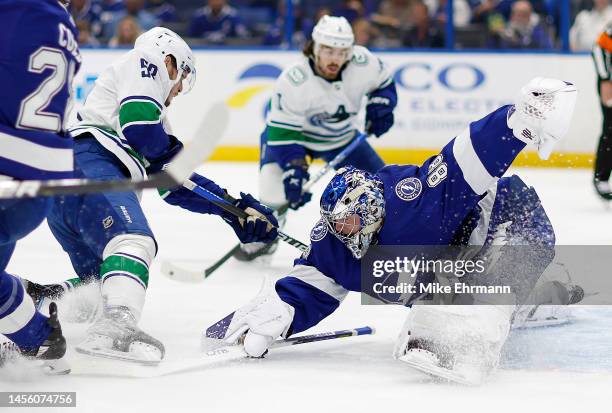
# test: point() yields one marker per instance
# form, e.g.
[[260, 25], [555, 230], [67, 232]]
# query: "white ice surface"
[[561, 369]]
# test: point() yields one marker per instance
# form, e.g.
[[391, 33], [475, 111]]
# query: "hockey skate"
[[80, 302], [48, 356], [438, 362], [249, 252], [603, 189], [115, 335], [550, 315]]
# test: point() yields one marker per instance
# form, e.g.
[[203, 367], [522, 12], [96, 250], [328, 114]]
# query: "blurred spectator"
[[462, 13], [588, 25], [162, 10], [135, 9], [394, 13], [483, 9], [86, 38], [424, 33], [365, 33], [112, 5], [523, 31], [216, 22], [275, 36], [128, 30], [88, 11], [351, 10]]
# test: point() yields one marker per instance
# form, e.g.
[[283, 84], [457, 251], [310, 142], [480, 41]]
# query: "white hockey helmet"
[[164, 42], [333, 31]]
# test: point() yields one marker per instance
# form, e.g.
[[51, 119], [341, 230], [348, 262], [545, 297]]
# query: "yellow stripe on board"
[[417, 156]]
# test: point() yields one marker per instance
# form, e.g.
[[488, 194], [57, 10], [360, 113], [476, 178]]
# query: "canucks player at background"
[[313, 114], [122, 132], [38, 59], [456, 194]]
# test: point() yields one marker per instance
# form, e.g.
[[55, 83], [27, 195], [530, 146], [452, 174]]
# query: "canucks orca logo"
[[319, 231], [408, 189], [323, 120]]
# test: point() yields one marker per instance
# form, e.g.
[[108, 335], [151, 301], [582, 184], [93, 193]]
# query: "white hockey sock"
[[124, 273]]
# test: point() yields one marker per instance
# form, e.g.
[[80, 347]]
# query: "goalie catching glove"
[[542, 113]]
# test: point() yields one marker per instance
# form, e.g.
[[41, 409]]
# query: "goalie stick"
[[175, 272], [211, 128], [210, 358]]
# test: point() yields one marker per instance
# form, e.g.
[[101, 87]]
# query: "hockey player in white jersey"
[[313, 114], [122, 132], [454, 198]]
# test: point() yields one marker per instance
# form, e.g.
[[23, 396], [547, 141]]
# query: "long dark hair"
[[308, 49]]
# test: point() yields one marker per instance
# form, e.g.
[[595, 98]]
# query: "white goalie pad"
[[464, 342]]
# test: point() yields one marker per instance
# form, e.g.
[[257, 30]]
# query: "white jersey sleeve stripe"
[[474, 172], [312, 276], [34, 155], [21, 315]]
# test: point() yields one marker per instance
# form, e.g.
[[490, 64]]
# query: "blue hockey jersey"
[[39, 56], [426, 205]]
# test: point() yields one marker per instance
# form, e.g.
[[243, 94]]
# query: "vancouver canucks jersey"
[[318, 114], [39, 56], [125, 110], [425, 205]]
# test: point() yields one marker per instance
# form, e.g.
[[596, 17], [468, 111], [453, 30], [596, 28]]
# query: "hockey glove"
[[542, 113], [159, 163], [190, 201], [260, 226], [379, 110], [295, 176]]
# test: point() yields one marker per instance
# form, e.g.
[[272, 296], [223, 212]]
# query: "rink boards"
[[438, 93]]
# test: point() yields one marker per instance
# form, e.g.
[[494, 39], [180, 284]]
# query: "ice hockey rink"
[[555, 369]]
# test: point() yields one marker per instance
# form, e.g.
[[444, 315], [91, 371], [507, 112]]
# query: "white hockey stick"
[[219, 356], [212, 127]]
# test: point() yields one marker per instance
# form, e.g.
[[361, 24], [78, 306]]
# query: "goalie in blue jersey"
[[39, 57], [454, 197]]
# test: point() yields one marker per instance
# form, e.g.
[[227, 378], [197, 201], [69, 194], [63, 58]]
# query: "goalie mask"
[[164, 42], [353, 207]]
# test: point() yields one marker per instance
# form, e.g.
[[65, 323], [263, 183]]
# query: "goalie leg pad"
[[458, 338]]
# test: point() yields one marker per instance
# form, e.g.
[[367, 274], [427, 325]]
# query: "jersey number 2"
[[32, 113]]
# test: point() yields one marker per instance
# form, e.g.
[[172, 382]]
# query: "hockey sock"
[[124, 282]]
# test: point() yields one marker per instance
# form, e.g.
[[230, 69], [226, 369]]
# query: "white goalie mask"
[[333, 32], [164, 42]]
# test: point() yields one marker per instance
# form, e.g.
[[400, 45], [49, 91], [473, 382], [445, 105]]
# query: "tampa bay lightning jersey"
[[426, 205], [39, 56]]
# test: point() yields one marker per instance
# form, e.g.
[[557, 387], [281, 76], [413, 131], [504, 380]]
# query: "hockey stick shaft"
[[234, 210], [283, 208], [178, 170], [331, 335]]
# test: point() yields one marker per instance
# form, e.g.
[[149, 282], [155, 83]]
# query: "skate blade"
[[115, 355], [56, 367], [546, 322], [423, 364]]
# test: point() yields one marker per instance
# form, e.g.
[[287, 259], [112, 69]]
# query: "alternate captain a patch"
[[408, 189]]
